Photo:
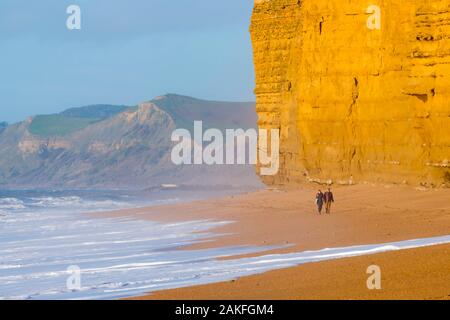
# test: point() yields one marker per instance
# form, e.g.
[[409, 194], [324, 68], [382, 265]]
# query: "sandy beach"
[[362, 214]]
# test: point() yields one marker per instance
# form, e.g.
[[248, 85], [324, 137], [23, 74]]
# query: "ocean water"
[[44, 236]]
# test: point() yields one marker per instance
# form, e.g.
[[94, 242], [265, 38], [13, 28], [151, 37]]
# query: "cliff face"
[[355, 103]]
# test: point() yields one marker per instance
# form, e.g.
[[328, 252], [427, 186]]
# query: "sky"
[[126, 52]]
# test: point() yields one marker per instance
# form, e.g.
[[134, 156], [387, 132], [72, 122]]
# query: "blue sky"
[[127, 51]]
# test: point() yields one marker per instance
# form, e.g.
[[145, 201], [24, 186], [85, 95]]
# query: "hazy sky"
[[127, 51]]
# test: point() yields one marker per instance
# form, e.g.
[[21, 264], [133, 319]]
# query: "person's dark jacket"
[[319, 198], [328, 196]]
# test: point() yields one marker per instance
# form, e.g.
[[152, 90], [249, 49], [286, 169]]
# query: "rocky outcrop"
[[355, 102]]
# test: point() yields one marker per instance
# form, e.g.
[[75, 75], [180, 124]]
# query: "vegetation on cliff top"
[[57, 125], [72, 120]]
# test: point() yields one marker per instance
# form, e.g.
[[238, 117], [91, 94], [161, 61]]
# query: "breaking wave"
[[11, 204], [76, 202], [31, 204]]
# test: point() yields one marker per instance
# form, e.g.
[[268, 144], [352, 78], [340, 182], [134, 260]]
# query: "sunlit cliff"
[[360, 90]]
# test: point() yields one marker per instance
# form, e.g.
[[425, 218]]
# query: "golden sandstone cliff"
[[360, 90]]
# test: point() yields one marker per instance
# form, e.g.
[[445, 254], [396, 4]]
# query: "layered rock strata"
[[360, 90]]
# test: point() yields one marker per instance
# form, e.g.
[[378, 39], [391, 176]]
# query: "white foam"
[[78, 202], [36, 247], [11, 203]]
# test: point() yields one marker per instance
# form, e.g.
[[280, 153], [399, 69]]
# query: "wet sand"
[[363, 214], [411, 274]]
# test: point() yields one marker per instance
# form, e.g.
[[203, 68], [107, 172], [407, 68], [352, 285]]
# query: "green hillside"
[[185, 110], [72, 119], [57, 125], [97, 111]]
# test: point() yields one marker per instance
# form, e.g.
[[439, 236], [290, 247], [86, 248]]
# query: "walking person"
[[329, 199], [319, 201]]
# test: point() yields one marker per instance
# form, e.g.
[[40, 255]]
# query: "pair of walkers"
[[326, 199]]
